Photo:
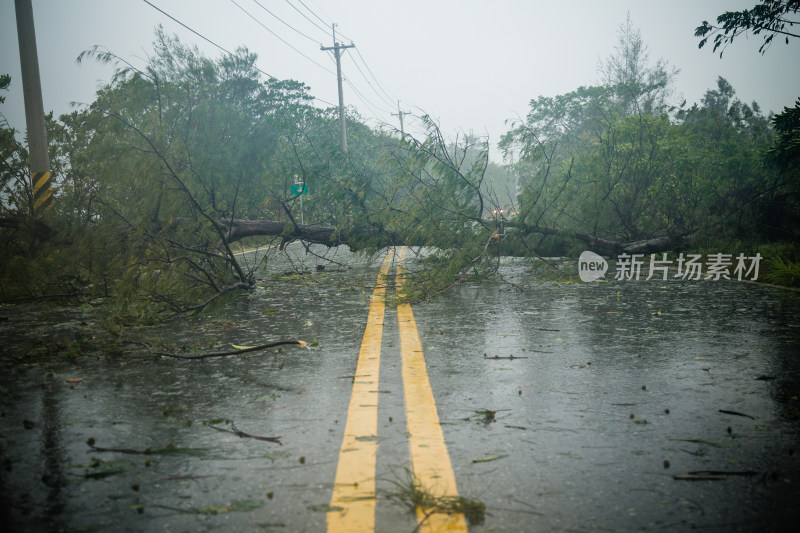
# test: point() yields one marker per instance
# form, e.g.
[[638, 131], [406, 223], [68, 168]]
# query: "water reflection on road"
[[617, 387], [599, 393]]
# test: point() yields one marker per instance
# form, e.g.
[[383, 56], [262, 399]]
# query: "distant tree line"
[[174, 164]]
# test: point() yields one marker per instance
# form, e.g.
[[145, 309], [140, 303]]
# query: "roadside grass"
[[783, 272], [780, 263]]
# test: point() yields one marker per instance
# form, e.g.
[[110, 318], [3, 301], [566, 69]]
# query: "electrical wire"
[[221, 47], [286, 23], [370, 84], [371, 105], [388, 99], [200, 35], [385, 97], [312, 12], [373, 76], [326, 23], [324, 30], [280, 38]]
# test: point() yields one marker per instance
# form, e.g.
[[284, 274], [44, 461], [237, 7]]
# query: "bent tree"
[[621, 167], [174, 163], [772, 18]]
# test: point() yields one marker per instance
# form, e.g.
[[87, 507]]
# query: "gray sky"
[[469, 64]]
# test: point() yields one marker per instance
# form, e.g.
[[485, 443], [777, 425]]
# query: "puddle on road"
[[564, 406]]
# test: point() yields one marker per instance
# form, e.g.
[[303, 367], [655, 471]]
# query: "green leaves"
[[768, 17]]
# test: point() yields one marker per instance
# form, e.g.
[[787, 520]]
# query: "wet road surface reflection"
[[564, 406]]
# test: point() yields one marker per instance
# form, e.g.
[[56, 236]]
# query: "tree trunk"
[[239, 229], [663, 240]]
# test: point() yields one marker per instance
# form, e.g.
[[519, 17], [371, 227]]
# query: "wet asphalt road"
[[613, 390]]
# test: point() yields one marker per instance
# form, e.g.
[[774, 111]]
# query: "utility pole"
[[400, 115], [337, 48], [34, 108]]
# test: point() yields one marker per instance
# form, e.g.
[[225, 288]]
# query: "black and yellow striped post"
[[41, 181], [42, 191]]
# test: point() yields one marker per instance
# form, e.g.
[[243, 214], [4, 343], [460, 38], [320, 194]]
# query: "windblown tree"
[[637, 85], [590, 160], [174, 163], [179, 149], [618, 168], [772, 18], [787, 146]]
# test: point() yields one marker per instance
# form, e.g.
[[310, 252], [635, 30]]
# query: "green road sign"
[[300, 188]]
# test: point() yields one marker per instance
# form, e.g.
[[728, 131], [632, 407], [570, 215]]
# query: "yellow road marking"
[[354, 485], [430, 461]]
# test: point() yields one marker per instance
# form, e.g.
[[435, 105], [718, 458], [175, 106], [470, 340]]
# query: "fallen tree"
[[660, 241], [237, 229]]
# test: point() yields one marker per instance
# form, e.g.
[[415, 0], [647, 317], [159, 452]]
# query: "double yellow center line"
[[354, 485]]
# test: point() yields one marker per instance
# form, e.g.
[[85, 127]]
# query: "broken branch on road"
[[225, 353], [236, 431], [713, 475], [736, 413]]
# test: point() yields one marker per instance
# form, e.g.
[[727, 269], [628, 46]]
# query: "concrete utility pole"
[[400, 115], [337, 48], [34, 109]]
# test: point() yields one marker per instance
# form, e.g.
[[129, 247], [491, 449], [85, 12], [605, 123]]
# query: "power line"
[[218, 46], [371, 105], [200, 35], [389, 100], [325, 15], [324, 23], [385, 96], [280, 38], [322, 29], [400, 115], [286, 23], [369, 83], [373, 75]]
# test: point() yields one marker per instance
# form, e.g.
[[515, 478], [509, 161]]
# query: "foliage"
[[617, 162], [16, 195], [190, 143], [149, 178], [590, 162], [150, 174], [638, 86], [443, 200], [780, 262], [147, 174], [786, 151], [778, 201], [783, 272], [769, 16]]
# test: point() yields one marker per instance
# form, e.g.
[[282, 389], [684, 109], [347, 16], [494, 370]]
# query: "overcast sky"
[[471, 65]]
